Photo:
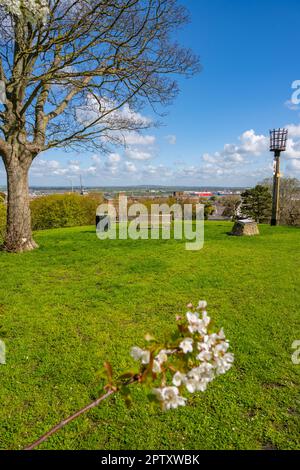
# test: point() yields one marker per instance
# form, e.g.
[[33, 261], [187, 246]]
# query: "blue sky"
[[216, 132]]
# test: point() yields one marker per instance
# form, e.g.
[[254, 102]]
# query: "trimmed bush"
[[64, 210]]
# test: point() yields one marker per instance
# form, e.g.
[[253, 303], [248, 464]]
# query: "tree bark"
[[18, 237]]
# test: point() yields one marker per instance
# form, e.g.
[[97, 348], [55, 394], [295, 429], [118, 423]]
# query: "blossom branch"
[[188, 362], [76, 415]]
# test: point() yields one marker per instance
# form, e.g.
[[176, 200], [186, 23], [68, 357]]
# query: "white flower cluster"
[[201, 355], [33, 10], [144, 356]]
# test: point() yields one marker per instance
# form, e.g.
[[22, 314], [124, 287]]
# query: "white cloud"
[[158, 172], [294, 165], [171, 139], [130, 167], [106, 112], [114, 123], [137, 154], [133, 138], [43, 168], [241, 160], [96, 159], [234, 160], [112, 163], [244, 162], [250, 144], [292, 149], [293, 143], [253, 143], [291, 105], [113, 158], [294, 130]]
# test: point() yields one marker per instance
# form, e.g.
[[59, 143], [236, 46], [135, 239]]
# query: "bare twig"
[[63, 423], [83, 410]]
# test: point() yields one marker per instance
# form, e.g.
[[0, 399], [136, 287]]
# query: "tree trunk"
[[18, 236]]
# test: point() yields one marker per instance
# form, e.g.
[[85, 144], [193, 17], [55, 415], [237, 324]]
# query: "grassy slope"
[[77, 301]]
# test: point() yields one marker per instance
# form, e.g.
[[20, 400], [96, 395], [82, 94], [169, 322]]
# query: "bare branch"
[[117, 51]]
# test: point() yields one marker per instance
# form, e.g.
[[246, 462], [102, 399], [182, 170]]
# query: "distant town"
[[136, 191]]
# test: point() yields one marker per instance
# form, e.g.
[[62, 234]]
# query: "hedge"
[[59, 210], [64, 210]]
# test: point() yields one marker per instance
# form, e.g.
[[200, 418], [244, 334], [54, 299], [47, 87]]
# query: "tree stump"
[[245, 227]]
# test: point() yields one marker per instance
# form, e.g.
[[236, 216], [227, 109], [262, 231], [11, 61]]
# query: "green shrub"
[[63, 210]]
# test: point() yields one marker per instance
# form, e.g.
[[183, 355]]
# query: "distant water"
[[145, 189], [138, 188]]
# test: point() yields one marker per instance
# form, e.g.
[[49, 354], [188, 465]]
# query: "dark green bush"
[[63, 210]]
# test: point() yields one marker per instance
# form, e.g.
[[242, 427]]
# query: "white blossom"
[[195, 324], [163, 356], [33, 10], [221, 334], [187, 345], [205, 352], [221, 348], [202, 304], [159, 360], [205, 318], [223, 363], [139, 354], [209, 358], [199, 377], [156, 368], [178, 379], [169, 397]]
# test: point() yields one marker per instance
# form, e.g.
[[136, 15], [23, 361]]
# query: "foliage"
[[170, 201], [231, 204], [148, 202], [64, 210], [78, 302], [208, 209], [257, 204], [289, 202]]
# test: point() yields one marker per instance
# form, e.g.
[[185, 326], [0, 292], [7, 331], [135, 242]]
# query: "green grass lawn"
[[78, 301]]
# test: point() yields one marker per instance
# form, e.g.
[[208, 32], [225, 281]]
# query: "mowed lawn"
[[79, 301]]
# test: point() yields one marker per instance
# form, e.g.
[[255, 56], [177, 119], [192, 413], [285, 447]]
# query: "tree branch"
[[83, 410]]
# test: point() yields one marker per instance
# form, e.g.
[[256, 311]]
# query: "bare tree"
[[232, 205], [79, 80], [289, 199]]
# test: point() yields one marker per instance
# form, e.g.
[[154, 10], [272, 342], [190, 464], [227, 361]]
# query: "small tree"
[[75, 73], [209, 209], [257, 204], [231, 204]]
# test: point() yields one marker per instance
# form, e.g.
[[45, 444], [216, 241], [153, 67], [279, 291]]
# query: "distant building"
[[204, 194]]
